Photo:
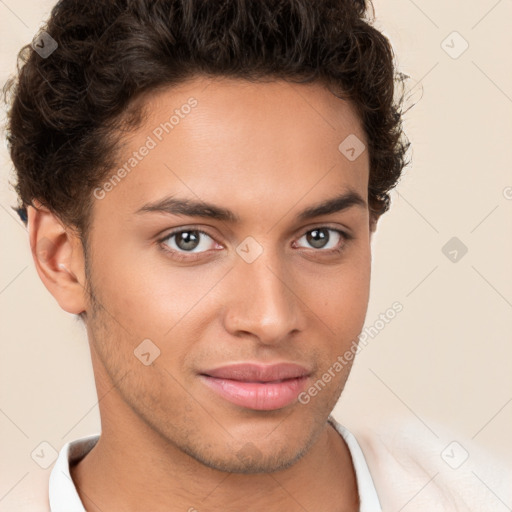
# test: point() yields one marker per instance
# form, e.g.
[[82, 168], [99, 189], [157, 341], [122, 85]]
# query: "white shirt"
[[64, 496]]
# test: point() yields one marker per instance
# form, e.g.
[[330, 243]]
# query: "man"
[[201, 182]]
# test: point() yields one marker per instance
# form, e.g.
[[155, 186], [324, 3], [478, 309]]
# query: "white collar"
[[62, 492]]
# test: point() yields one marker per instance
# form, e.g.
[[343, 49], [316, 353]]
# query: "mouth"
[[258, 387]]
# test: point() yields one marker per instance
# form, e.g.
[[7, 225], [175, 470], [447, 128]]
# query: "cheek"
[[143, 290], [340, 297]]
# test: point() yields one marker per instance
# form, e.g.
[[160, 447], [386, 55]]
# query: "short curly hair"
[[67, 111]]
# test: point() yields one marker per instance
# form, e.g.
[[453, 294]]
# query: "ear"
[[58, 257]]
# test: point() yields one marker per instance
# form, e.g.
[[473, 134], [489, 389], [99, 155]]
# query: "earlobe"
[[58, 258]]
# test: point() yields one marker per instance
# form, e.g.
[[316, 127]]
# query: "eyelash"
[[183, 256]]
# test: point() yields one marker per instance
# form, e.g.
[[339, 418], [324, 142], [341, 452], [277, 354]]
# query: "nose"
[[262, 301]]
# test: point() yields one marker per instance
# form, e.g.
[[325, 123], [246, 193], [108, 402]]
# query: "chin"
[[250, 455], [250, 460]]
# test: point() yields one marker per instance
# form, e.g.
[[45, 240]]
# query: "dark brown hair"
[[68, 109]]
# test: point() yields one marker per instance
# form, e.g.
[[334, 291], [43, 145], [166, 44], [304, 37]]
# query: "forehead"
[[213, 137], [235, 106]]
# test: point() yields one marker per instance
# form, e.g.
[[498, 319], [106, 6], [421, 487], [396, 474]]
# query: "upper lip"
[[254, 372]]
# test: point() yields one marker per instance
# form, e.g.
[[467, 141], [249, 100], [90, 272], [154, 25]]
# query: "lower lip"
[[261, 396]]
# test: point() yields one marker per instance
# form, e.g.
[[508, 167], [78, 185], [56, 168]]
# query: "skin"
[[266, 151]]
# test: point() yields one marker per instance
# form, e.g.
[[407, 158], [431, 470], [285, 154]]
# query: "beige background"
[[446, 359]]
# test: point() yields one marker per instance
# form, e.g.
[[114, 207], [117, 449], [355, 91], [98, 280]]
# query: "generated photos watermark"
[[356, 346]]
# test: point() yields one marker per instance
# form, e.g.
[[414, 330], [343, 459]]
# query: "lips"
[[248, 372], [257, 386]]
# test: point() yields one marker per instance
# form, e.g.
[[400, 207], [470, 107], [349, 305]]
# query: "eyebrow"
[[175, 206]]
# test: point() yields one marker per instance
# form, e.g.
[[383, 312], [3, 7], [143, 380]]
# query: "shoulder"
[[428, 471]]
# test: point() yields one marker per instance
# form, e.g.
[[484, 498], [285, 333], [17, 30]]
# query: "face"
[[182, 295]]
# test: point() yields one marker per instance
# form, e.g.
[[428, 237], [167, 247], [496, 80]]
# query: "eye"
[[191, 241], [319, 238]]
